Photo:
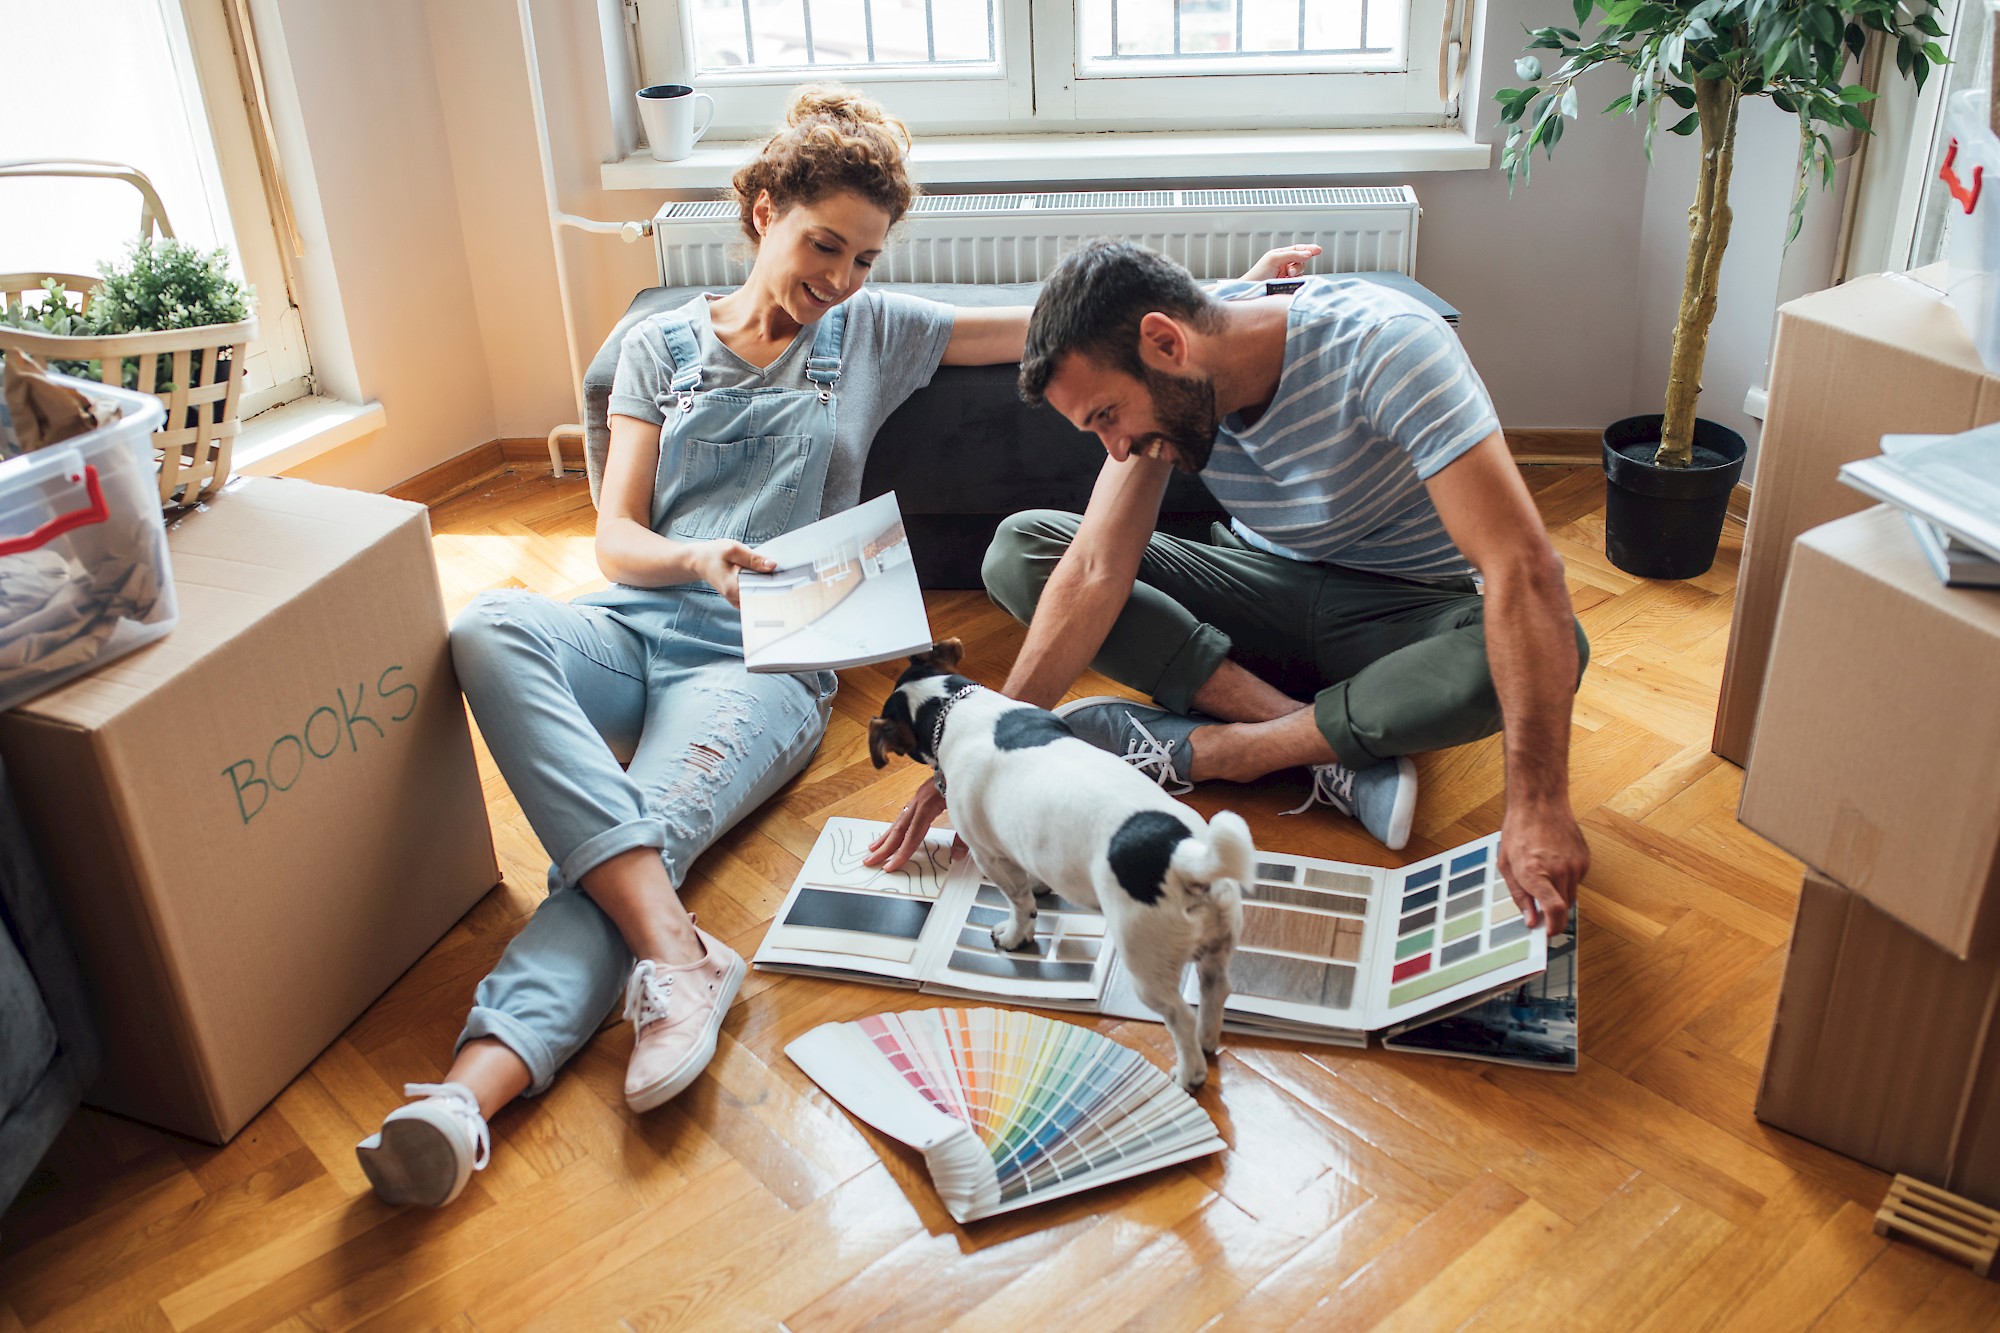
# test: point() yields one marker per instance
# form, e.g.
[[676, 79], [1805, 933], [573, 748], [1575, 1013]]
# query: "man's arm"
[[1531, 648], [1092, 581], [1081, 601]]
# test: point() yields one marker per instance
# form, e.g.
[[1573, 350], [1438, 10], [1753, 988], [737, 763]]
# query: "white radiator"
[[1021, 237]]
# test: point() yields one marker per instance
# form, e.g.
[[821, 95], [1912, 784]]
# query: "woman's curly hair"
[[834, 139]]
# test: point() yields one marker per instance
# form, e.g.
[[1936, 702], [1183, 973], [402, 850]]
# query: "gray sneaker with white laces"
[[426, 1151], [1152, 740], [1382, 796]]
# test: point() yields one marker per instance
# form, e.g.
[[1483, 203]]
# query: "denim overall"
[[562, 690]]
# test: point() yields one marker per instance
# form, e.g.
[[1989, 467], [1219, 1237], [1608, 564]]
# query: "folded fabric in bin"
[[83, 560], [54, 613]]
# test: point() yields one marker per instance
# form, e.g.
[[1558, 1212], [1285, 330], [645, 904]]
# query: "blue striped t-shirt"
[[1376, 396]]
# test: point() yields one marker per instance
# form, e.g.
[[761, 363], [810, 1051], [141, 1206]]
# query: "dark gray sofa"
[[962, 454], [48, 1042]]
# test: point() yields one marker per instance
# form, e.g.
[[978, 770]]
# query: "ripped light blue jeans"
[[562, 691]]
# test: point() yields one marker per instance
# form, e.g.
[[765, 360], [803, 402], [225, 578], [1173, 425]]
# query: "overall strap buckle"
[[686, 354], [823, 365]]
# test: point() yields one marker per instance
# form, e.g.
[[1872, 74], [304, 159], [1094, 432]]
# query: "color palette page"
[[1309, 929], [843, 918], [1064, 965], [1451, 932], [1008, 1108]]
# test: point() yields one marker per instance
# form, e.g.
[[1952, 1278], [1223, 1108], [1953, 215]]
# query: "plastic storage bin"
[[1971, 172], [84, 576]]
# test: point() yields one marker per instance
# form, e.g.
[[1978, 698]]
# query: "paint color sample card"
[[1352, 949]]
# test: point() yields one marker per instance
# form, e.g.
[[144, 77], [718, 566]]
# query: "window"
[[149, 84], [989, 65]]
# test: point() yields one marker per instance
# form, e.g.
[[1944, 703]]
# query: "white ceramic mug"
[[667, 110]]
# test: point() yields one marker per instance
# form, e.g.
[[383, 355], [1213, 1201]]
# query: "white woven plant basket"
[[195, 445]]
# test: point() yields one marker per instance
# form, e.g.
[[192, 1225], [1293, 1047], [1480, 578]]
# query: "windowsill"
[[1124, 155], [288, 435]]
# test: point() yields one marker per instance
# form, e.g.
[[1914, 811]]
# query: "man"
[[1357, 452]]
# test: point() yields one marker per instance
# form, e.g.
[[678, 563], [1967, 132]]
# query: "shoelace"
[[465, 1106], [646, 994], [1333, 784], [1155, 758]]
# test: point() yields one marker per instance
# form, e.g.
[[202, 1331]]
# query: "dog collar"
[[937, 730]]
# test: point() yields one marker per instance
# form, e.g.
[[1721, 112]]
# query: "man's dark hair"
[[1092, 304]]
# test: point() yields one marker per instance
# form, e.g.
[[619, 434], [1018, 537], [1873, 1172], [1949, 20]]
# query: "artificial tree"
[[1703, 59]]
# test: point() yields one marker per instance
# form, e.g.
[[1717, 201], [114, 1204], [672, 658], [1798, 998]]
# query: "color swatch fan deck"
[[1008, 1109]]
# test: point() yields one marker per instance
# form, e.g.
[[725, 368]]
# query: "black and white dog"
[[1042, 809]]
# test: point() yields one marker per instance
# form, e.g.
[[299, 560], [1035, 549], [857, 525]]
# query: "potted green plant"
[[170, 320], [1669, 474]]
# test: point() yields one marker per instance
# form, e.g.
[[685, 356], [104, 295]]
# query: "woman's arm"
[[995, 335], [628, 550]]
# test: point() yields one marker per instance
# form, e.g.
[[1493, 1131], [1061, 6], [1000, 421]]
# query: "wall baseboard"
[[481, 463], [1556, 446], [1739, 504]]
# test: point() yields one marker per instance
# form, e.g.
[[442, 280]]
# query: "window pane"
[[841, 34], [1278, 34], [123, 105]]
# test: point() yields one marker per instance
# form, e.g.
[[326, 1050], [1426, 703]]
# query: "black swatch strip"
[[973, 938], [863, 913], [1421, 898], [1273, 871], [1025, 967], [991, 895]]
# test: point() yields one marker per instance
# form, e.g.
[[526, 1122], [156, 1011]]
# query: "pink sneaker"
[[677, 1012]]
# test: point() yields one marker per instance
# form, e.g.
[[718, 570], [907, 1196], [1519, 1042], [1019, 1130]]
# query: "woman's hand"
[[717, 562], [1287, 261]]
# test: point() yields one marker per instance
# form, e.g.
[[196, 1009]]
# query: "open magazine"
[[844, 594], [1330, 952], [1533, 1023], [1952, 483]]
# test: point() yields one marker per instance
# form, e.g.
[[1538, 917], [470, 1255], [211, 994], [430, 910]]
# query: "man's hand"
[[893, 850], [1543, 858], [1287, 261], [717, 562]]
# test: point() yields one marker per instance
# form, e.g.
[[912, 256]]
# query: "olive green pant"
[[1392, 666]]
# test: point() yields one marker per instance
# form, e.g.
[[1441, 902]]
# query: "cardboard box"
[[257, 824], [1886, 1048], [1877, 356], [1877, 757]]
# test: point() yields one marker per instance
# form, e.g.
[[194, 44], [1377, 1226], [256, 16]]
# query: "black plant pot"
[[1665, 522]]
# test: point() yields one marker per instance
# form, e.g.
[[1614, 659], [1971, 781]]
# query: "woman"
[[733, 419]]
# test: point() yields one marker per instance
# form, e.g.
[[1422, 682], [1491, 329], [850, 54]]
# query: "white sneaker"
[[426, 1151]]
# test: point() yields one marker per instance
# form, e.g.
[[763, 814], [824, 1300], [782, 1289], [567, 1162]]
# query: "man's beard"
[[1184, 406]]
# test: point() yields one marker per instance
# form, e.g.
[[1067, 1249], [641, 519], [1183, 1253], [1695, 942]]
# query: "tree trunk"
[[1708, 237]]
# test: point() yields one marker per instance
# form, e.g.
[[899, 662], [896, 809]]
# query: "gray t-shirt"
[[893, 345]]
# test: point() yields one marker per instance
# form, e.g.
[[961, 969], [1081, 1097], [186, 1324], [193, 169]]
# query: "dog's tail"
[[1227, 855]]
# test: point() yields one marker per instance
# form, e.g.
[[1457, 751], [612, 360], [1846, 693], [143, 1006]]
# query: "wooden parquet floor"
[[1359, 1190]]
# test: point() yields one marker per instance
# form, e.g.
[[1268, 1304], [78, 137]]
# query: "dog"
[[1042, 809]]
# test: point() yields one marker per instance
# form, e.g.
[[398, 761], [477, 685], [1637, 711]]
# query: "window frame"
[[204, 54], [1037, 87]]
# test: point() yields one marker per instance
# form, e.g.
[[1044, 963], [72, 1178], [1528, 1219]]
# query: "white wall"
[[387, 216], [422, 137]]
